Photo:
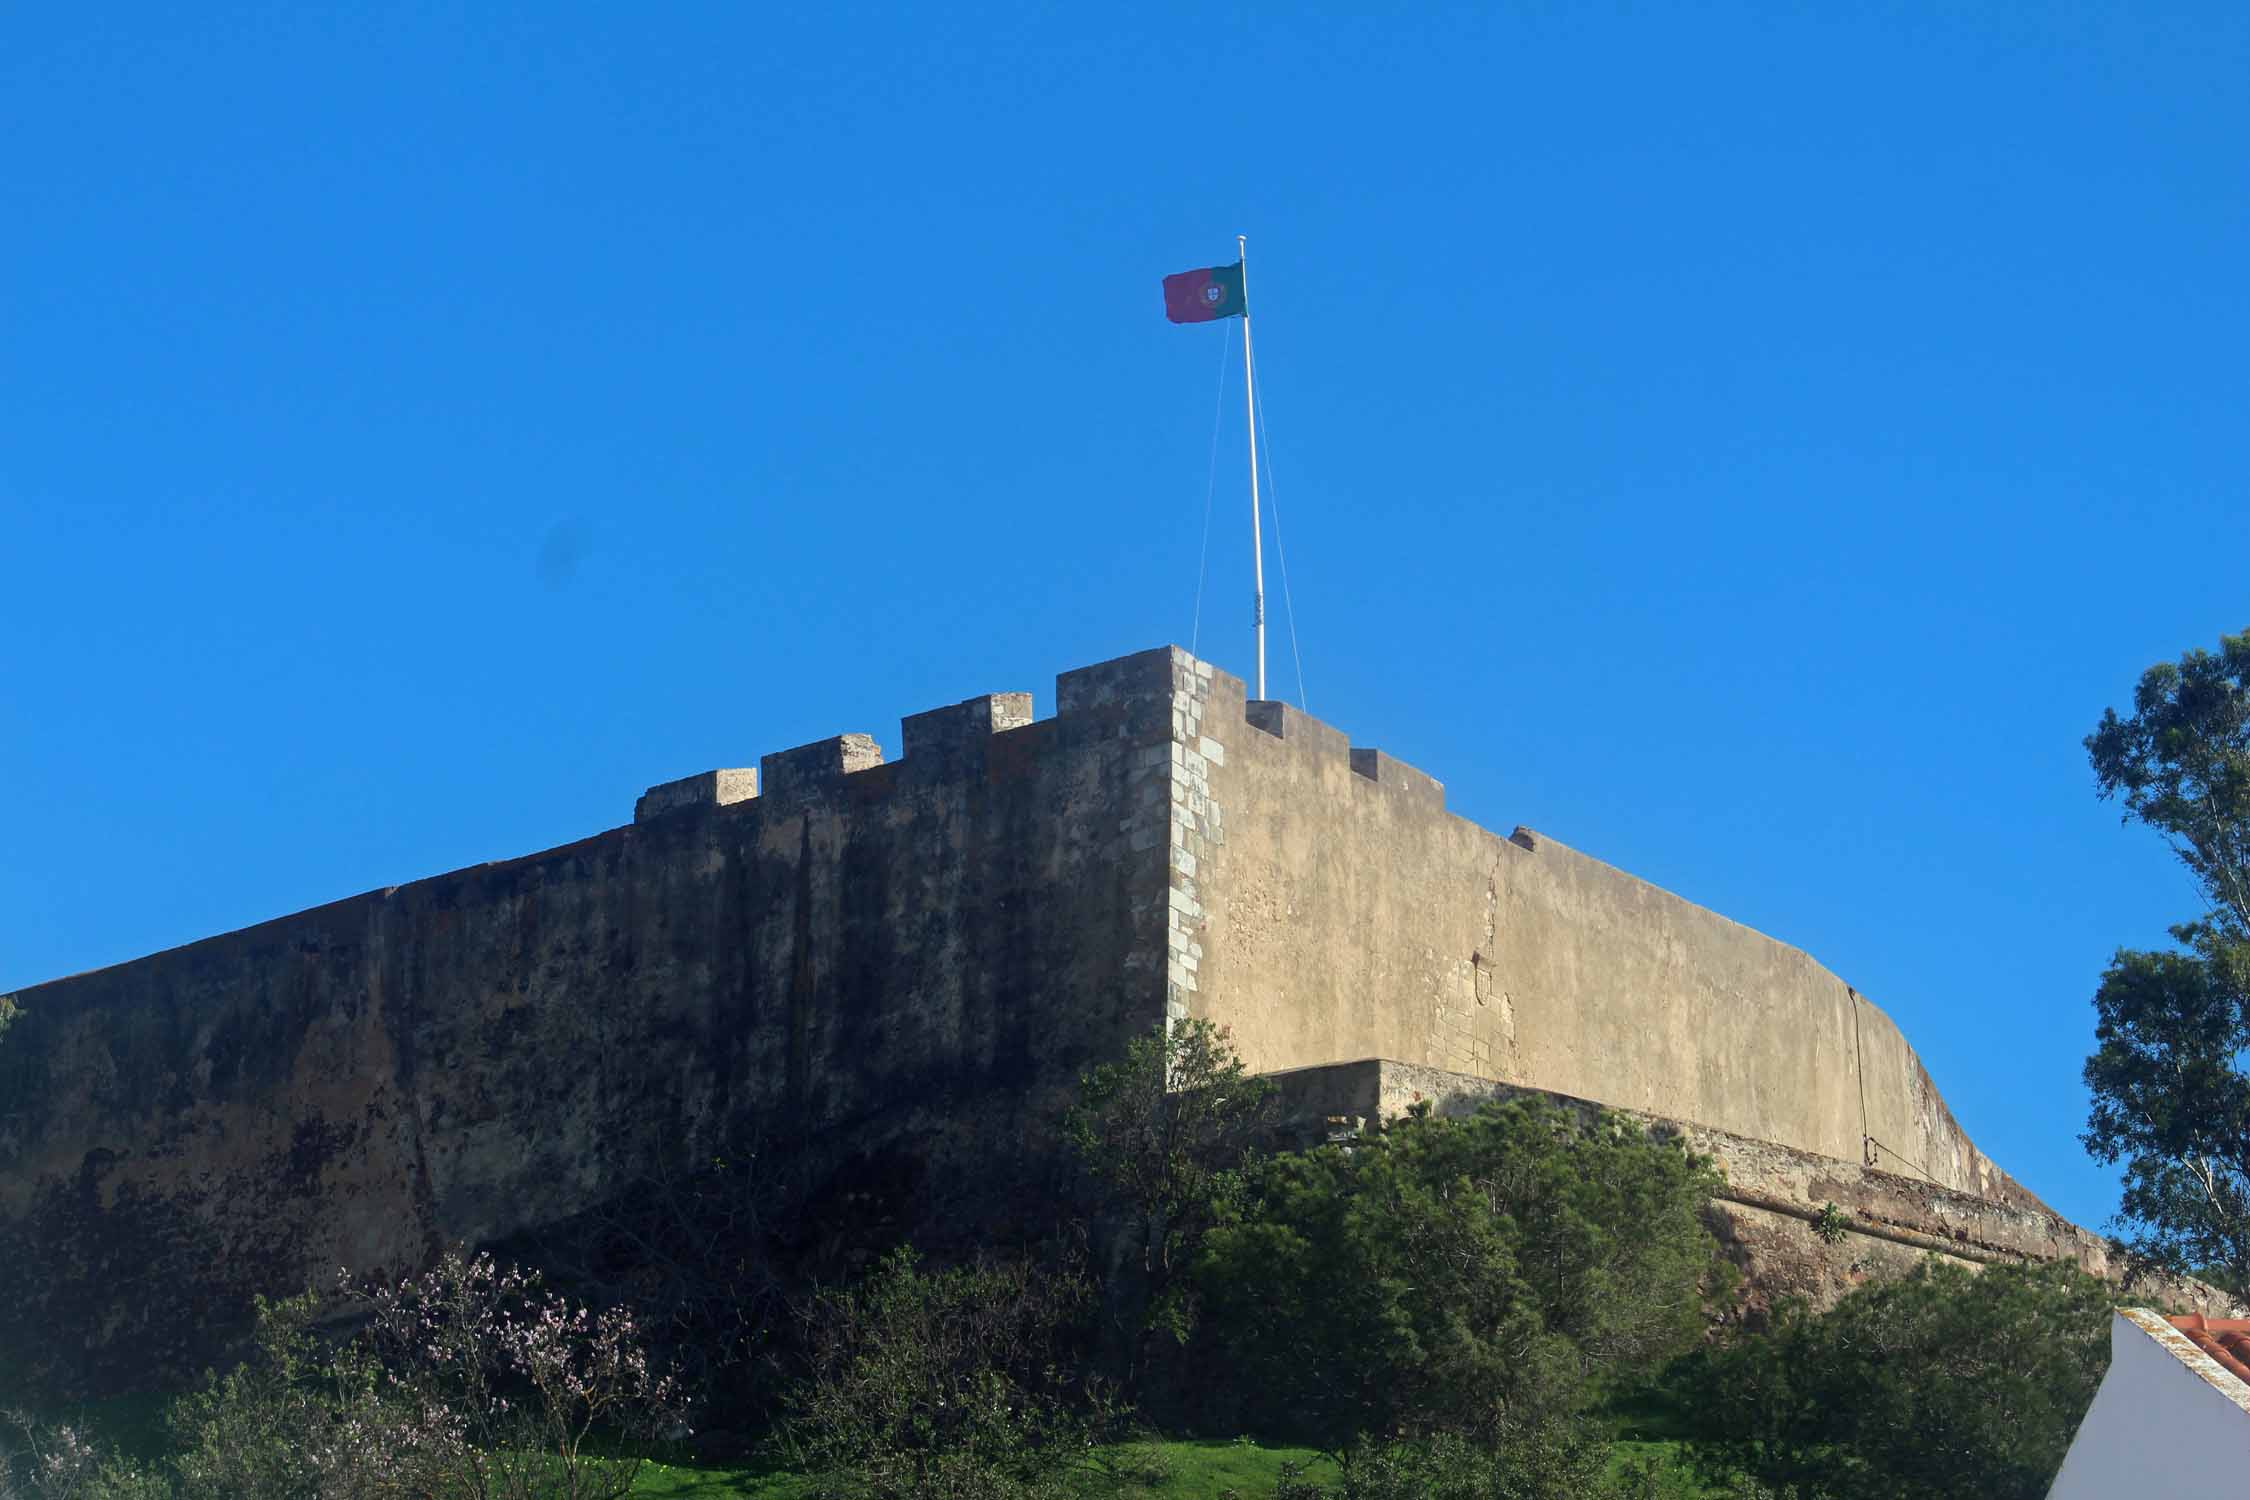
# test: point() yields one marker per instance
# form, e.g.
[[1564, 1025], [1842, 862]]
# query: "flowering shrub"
[[58, 1462], [511, 1391]]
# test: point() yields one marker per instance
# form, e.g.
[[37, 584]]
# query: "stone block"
[[946, 734], [810, 770], [705, 789]]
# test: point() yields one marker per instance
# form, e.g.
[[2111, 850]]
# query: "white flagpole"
[[1250, 405]]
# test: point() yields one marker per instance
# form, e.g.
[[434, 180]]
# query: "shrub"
[[1942, 1382], [1484, 1278], [921, 1385], [1565, 1461], [54, 1461], [469, 1379]]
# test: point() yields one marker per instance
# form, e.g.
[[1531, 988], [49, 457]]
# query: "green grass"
[[1161, 1470], [685, 1482], [1209, 1469]]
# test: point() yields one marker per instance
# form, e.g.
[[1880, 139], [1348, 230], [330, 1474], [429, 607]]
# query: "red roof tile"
[[2226, 1340]]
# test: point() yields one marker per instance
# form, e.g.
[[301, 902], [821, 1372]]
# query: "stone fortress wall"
[[902, 964], [926, 951], [1345, 914]]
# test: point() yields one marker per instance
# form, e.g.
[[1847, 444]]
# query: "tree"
[[2170, 1098], [2170, 1095], [2181, 765], [1940, 1383], [1484, 1278], [1161, 1124], [1161, 1130]]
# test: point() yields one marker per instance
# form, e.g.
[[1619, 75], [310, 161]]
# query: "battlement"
[[708, 789], [1105, 700], [953, 734], [1132, 697]]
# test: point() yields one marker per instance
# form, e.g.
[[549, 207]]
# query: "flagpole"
[[1250, 406]]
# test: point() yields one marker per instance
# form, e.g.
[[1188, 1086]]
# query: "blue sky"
[[1748, 443]]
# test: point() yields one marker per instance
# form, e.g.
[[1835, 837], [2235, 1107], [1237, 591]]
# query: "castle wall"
[[901, 967], [915, 958], [1345, 913]]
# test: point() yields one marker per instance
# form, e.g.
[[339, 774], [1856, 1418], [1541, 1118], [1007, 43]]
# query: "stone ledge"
[[1792, 1185]]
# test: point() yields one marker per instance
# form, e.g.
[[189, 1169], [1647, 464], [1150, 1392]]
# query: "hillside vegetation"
[[1520, 1304]]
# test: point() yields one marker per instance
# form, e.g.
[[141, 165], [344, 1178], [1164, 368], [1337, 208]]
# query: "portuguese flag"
[[1202, 296]]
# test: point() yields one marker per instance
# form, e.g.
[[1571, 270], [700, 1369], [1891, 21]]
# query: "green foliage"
[[1485, 1278], [1831, 1224], [925, 1385], [496, 1386], [262, 1428], [1153, 1469], [9, 1010], [2181, 765], [1568, 1462], [1558, 1462], [1940, 1383], [466, 1381], [2170, 1096], [1161, 1124], [2172, 1100], [55, 1461]]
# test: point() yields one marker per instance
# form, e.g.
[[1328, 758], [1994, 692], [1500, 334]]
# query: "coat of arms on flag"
[[1205, 295]]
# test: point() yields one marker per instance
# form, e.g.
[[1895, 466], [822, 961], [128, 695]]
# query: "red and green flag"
[[1205, 295]]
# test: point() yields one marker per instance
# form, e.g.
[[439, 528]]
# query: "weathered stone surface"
[[708, 789], [907, 963], [1346, 914]]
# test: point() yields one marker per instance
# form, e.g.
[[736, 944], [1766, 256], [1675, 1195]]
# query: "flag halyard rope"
[[1281, 553], [1210, 488]]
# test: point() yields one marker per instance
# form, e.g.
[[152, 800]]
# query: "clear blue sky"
[[1750, 444]]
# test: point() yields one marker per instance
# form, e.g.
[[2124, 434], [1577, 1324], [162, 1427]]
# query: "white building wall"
[[2168, 1420]]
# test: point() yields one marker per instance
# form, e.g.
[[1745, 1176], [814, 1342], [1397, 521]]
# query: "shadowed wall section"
[[924, 952]]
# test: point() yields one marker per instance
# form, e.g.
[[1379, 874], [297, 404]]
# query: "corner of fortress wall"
[[1331, 907], [915, 955], [1322, 903]]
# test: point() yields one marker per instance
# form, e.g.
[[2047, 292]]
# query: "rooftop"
[[2226, 1340]]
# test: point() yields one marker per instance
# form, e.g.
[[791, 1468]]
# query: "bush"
[[51, 1461], [923, 1385], [1943, 1382], [1484, 1278], [467, 1380], [1564, 1462]]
